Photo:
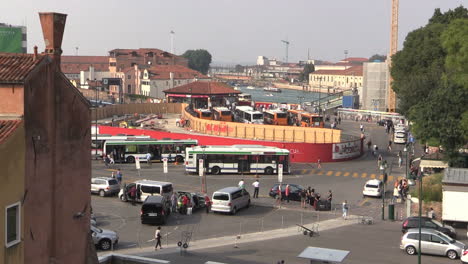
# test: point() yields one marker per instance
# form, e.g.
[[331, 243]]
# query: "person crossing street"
[[256, 186]]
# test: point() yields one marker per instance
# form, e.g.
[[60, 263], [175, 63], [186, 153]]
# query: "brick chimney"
[[53, 25]]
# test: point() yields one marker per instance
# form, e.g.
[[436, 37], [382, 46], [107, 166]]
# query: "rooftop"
[[15, 67], [355, 70], [204, 88], [455, 176], [162, 72], [76, 64]]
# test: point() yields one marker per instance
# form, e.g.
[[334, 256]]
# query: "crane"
[[287, 48]]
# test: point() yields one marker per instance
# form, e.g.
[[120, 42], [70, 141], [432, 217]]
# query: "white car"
[[373, 188], [464, 256]]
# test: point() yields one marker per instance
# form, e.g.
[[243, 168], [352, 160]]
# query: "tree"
[[429, 77], [377, 57], [308, 69], [198, 60]]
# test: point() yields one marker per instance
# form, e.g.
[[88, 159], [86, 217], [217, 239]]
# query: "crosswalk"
[[349, 174]]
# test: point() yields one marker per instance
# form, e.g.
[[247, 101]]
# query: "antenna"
[[286, 42], [346, 54], [172, 41], [76, 51]]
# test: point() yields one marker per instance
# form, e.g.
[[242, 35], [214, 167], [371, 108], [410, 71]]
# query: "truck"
[[455, 196]]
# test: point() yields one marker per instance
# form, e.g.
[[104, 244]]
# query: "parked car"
[[230, 200], [294, 191], [197, 200], [373, 188], [104, 239], [104, 186], [155, 210], [145, 188], [464, 256], [426, 222], [432, 242]]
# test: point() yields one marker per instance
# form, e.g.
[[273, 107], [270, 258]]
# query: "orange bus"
[[204, 114], [275, 117], [311, 120], [222, 114], [294, 117]]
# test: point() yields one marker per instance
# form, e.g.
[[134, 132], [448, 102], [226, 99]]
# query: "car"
[[464, 256], [145, 188], [155, 210], [382, 122], [432, 242], [373, 188], [230, 200], [104, 186], [427, 222], [196, 199], [104, 239], [294, 191]]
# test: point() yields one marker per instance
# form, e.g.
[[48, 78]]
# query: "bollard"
[[167, 239], [261, 230], [302, 216], [282, 222]]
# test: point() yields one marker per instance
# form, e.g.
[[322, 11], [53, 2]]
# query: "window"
[[425, 237], [12, 225], [129, 77], [129, 88], [437, 239]]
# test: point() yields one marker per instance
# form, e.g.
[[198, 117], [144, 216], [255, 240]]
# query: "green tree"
[[198, 60], [429, 76], [377, 57], [308, 69]]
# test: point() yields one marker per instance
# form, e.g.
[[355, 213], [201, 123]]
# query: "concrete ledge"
[[127, 259]]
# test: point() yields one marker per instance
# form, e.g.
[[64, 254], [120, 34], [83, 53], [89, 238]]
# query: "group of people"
[[183, 202], [400, 190]]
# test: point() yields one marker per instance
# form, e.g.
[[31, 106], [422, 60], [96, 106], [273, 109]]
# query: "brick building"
[[123, 58]]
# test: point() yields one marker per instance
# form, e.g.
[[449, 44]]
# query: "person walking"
[[369, 144], [396, 194], [241, 184], [173, 202], [345, 209], [148, 158], [207, 203], [319, 164], [379, 161], [119, 176], [157, 237], [389, 147], [256, 186], [303, 198], [400, 162], [286, 193], [330, 197], [361, 126]]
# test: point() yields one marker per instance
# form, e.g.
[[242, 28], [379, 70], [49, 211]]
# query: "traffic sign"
[[280, 172], [200, 167], [137, 163], [165, 165]]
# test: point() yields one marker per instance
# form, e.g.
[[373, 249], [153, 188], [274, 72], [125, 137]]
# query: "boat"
[[272, 89], [269, 94], [250, 87]]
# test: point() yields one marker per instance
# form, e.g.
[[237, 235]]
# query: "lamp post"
[[406, 161], [203, 187], [96, 117], [420, 212], [382, 170]]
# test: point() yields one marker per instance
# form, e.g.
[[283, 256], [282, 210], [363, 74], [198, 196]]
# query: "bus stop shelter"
[[323, 255]]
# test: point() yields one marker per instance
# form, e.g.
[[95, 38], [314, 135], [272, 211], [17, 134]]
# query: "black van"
[[155, 210]]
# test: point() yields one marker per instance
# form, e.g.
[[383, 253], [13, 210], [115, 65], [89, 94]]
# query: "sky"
[[232, 31]]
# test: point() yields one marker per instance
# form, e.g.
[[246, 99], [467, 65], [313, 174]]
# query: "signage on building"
[[346, 150]]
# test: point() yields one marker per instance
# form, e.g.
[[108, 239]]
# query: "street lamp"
[[382, 170], [420, 212], [406, 161]]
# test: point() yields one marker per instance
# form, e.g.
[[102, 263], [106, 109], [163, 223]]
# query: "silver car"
[[230, 200], [104, 239], [104, 186], [432, 242]]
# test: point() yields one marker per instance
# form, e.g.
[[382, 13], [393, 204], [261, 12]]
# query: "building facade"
[[374, 90], [13, 38], [337, 80], [120, 59]]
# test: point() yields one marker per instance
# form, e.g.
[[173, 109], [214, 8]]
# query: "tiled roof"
[[199, 87], [85, 59], [76, 64], [355, 70], [142, 52], [7, 127], [356, 59], [162, 72], [15, 67]]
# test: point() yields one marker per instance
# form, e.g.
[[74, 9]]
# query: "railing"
[[123, 109]]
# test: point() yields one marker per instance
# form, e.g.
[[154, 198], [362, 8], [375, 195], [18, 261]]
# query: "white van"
[[145, 188], [399, 137], [230, 200]]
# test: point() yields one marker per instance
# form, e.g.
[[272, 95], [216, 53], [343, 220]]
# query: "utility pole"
[[172, 41]]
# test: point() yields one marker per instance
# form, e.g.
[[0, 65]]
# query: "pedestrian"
[[316, 200], [119, 176], [396, 194], [431, 213], [185, 204], [379, 161], [173, 202], [157, 237], [148, 158], [106, 161], [303, 198], [400, 162], [369, 144], [207, 203], [256, 186], [278, 196], [361, 126], [345, 209], [113, 175], [286, 193], [339, 120], [241, 184], [389, 147], [111, 160], [319, 164], [330, 197]]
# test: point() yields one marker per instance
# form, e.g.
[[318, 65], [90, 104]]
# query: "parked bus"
[[128, 150], [244, 99], [222, 114], [311, 120], [204, 114], [275, 117], [237, 159], [294, 117], [246, 114], [97, 143]]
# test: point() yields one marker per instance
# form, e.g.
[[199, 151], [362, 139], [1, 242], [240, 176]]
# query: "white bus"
[[128, 150], [246, 114], [237, 159], [97, 141]]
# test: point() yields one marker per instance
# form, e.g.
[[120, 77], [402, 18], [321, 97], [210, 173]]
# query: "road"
[[345, 179]]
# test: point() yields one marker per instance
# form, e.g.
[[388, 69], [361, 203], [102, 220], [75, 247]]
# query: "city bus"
[[204, 114], [311, 120], [244, 99], [97, 143], [128, 150], [237, 159], [294, 117], [222, 114], [275, 117], [246, 114]]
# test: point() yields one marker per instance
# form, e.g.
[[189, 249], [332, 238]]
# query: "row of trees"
[[430, 78]]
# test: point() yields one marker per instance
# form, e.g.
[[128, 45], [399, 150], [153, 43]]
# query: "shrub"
[[432, 188]]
